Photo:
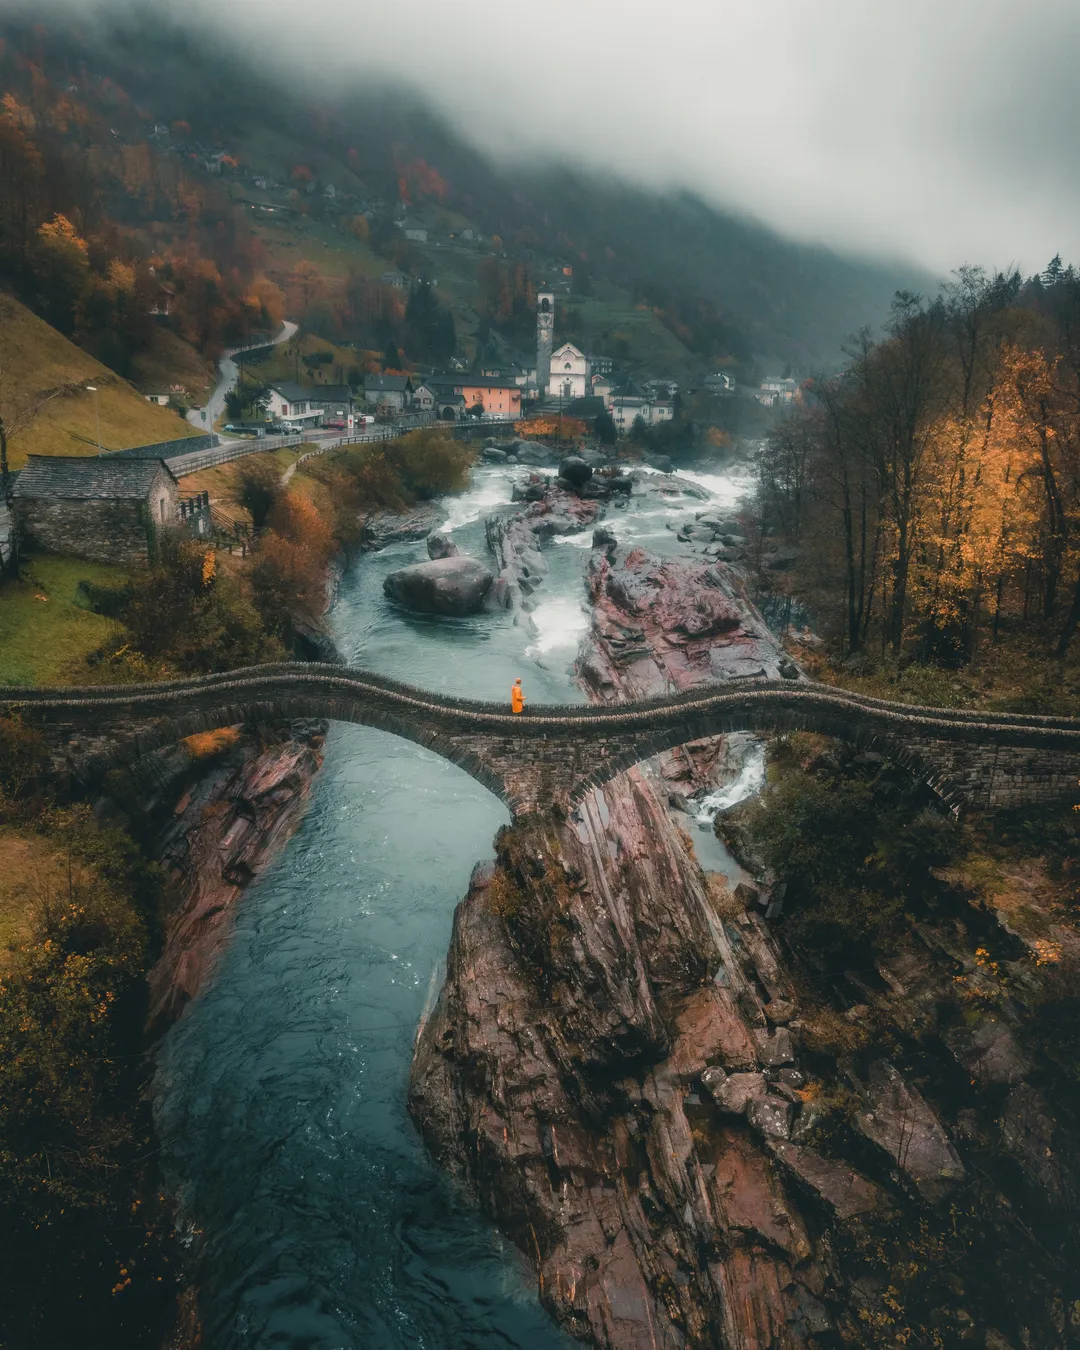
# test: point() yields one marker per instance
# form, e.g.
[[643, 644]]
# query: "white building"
[[289, 402], [626, 408], [569, 376], [782, 391]]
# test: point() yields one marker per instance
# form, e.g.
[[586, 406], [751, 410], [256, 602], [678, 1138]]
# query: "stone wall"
[[183, 445], [114, 532]]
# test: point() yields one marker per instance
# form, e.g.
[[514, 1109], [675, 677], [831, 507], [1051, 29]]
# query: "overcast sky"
[[940, 130]]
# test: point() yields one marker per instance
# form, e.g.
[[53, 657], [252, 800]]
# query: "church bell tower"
[[545, 332]]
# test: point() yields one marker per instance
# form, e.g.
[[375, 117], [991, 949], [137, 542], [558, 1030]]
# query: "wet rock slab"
[[900, 1121]]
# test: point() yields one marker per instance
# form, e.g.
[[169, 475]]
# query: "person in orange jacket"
[[517, 697]]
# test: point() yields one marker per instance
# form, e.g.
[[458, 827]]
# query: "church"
[[560, 374], [569, 373]]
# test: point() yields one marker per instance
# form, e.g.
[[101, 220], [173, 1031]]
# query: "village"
[[563, 381], [113, 507]]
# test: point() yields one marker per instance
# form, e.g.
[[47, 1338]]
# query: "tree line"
[[106, 238], [933, 487]]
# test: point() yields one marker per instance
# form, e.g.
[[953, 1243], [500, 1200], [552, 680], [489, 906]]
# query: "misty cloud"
[[939, 130]]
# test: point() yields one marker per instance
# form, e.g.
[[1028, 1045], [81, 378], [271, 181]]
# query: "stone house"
[[339, 404], [388, 391], [425, 397], [720, 382], [107, 510]]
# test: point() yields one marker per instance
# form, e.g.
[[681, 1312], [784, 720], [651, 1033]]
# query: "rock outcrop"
[[440, 545], [449, 585], [594, 999], [663, 622], [379, 529], [214, 810], [690, 1152]]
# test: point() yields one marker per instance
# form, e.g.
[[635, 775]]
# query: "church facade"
[[569, 373]]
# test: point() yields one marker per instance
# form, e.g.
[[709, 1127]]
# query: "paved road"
[[204, 418]]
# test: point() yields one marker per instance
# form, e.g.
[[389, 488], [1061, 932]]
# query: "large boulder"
[[575, 471], [444, 586], [530, 453], [440, 545]]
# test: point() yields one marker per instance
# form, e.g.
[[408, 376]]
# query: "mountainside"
[[44, 395], [195, 147]]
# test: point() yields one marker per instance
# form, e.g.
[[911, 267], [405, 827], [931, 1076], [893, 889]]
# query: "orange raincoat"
[[517, 698]]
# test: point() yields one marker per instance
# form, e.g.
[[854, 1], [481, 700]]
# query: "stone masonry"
[[554, 755], [102, 510]]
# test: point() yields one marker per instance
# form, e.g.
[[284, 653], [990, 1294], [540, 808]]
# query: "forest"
[[931, 491]]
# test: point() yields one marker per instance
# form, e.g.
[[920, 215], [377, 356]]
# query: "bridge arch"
[[125, 750], [891, 747]]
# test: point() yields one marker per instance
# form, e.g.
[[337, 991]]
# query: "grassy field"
[[291, 239], [39, 362], [44, 635], [281, 363], [174, 361], [223, 482]]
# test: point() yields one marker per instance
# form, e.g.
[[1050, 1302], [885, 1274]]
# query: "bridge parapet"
[[559, 752]]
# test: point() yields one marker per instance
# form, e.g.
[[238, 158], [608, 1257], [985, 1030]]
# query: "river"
[[321, 1221]]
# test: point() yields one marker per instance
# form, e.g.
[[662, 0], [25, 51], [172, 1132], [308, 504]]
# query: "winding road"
[[204, 418]]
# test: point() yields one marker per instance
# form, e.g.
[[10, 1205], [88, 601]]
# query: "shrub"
[[854, 840], [430, 463], [74, 1122], [260, 487], [23, 758], [184, 613], [288, 574]]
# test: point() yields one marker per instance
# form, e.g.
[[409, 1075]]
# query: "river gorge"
[[321, 1219]]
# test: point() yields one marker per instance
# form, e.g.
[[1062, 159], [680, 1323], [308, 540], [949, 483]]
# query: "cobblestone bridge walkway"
[[556, 754]]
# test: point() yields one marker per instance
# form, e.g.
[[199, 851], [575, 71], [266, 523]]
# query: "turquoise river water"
[[320, 1220]]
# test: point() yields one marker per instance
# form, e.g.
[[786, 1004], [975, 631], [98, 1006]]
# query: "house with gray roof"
[[290, 402], [388, 391], [103, 509]]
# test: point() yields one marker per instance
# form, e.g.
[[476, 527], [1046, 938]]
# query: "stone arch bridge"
[[556, 754]]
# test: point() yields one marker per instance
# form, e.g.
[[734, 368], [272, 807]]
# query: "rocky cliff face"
[[593, 979], [213, 810], [692, 1150]]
